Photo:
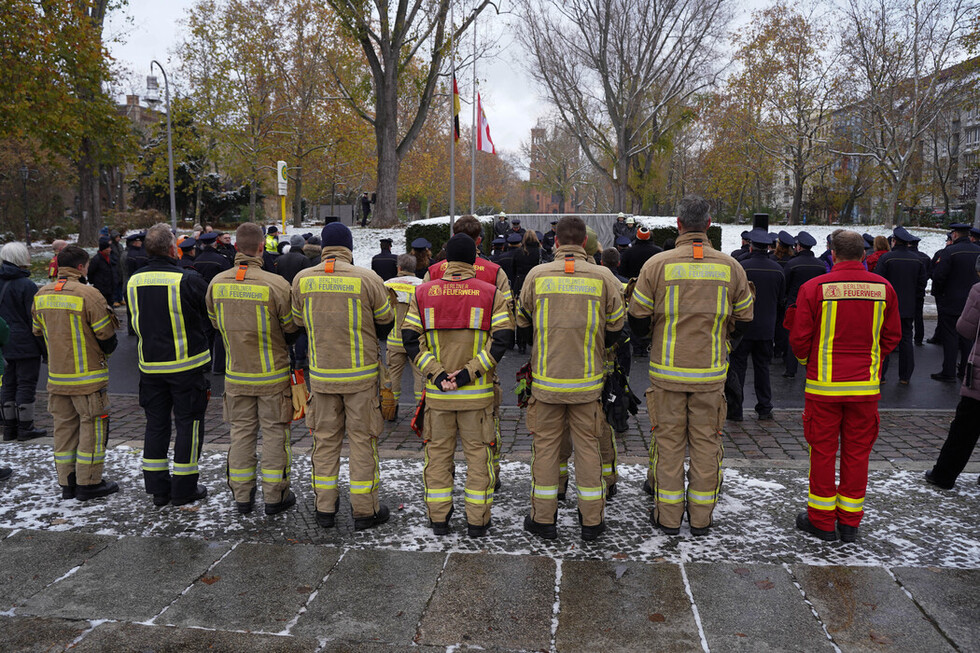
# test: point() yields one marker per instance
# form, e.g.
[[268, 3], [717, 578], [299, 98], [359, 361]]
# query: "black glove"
[[462, 378], [437, 382]]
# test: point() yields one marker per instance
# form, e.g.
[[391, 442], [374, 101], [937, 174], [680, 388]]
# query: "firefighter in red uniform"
[[843, 325]]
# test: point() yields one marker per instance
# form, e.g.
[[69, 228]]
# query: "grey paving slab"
[[135, 638], [377, 647], [258, 587], [4, 532], [950, 597], [34, 559], [624, 606], [373, 596], [493, 602], [740, 606], [865, 610], [29, 634], [131, 579]]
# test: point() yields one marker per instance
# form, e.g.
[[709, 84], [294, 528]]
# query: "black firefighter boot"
[[95, 491], [8, 413], [25, 424], [68, 491]]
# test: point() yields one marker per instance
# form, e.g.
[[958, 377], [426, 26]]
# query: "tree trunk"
[[386, 132], [890, 207], [90, 219], [794, 212], [251, 198]]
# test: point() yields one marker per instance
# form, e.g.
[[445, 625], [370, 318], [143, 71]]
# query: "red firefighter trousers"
[[853, 426]]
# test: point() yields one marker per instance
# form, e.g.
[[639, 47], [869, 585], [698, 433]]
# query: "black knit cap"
[[461, 248]]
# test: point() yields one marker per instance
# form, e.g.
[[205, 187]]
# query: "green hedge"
[[438, 234], [661, 234]]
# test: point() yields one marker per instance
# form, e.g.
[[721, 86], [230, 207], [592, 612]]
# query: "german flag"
[[455, 108]]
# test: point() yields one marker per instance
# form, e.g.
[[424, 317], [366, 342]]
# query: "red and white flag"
[[483, 141]]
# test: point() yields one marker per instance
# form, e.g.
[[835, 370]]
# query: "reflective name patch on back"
[[697, 271], [853, 290], [568, 286], [244, 291], [331, 284], [62, 302]]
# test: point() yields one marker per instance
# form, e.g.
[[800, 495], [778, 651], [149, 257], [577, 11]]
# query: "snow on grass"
[[907, 524]]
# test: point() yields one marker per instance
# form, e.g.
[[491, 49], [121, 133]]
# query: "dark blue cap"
[[959, 226], [273, 229], [554, 222], [786, 238], [760, 237], [132, 237], [745, 235], [104, 242], [421, 243], [869, 239], [187, 243], [209, 237], [514, 237], [515, 220], [903, 235], [805, 239], [499, 240], [975, 232], [622, 241], [336, 234], [773, 237]]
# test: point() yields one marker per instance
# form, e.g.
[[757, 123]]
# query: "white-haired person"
[[23, 351]]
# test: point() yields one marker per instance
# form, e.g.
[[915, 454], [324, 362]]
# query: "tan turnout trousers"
[[607, 450], [682, 421], [245, 415], [358, 415], [81, 429], [547, 422], [476, 431]]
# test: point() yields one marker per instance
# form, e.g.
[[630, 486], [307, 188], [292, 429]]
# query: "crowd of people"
[[295, 327]]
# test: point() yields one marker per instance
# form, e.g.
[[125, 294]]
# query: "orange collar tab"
[[569, 264], [61, 283], [328, 265], [698, 250], [240, 275]]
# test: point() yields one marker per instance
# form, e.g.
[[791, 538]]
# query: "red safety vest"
[[464, 304], [484, 270]]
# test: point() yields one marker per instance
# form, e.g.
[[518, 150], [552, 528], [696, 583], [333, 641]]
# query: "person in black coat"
[[905, 271], [757, 337], [742, 251], [632, 260], [548, 242], [23, 351], [526, 257], [294, 261], [621, 228], [827, 256], [385, 263], [188, 254], [952, 278], [101, 271], [500, 227], [918, 324], [209, 262], [506, 258], [799, 269], [225, 248]]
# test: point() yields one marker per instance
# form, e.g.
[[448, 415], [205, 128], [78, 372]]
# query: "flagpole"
[[473, 139], [452, 124]]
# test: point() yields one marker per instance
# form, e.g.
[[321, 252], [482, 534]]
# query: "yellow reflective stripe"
[[499, 319], [411, 319], [849, 504], [297, 313], [81, 378], [242, 474], [671, 310], [325, 482], [195, 441], [222, 329], [343, 374], [78, 343], [590, 493], [185, 469], [825, 367], [544, 491], [101, 323], [563, 469], [615, 315], [568, 286], [697, 272], [240, 291], [58, 302], [438, 494], [876, 323], [354, 331], [479, 498], [485, 360], [155, 464], [260, 378], [401, 287], [425, 359], [541, 335], [745, 303], [702, 498], [471, 391], [721, 319], [177, 322], [568, 385], [688, 374], [383, 312], [265, 346], [476, 317], [821, 503], [176, 366], [842, 388], [588, 345], [333, 284], [310, 331], [275, 475], [362, 487], [642, 299], [85, 458], [670, 497], [429, 317], [65, 457]]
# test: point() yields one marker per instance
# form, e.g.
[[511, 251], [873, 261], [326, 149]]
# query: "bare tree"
[[620, 71], [395, 38], [897, 52]]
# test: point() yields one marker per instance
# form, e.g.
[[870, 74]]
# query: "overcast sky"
[[148, 29]]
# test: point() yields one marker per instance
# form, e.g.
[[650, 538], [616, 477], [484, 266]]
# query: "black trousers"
[[906, 353], [920, 328], [954, 345], [761, 352], [184, 395], [960, 442], [20, 381]]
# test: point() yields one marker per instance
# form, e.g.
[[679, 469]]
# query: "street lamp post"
[[152, 97], [25, 176]]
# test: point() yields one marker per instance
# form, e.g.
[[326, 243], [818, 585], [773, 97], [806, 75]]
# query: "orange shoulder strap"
[[569, 264], [240, 275]]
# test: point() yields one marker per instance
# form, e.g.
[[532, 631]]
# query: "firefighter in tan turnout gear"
[[252, 310], [457, 329], [401, 289], [80, 331], [345, 311], [575, 309], [690, 298]]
